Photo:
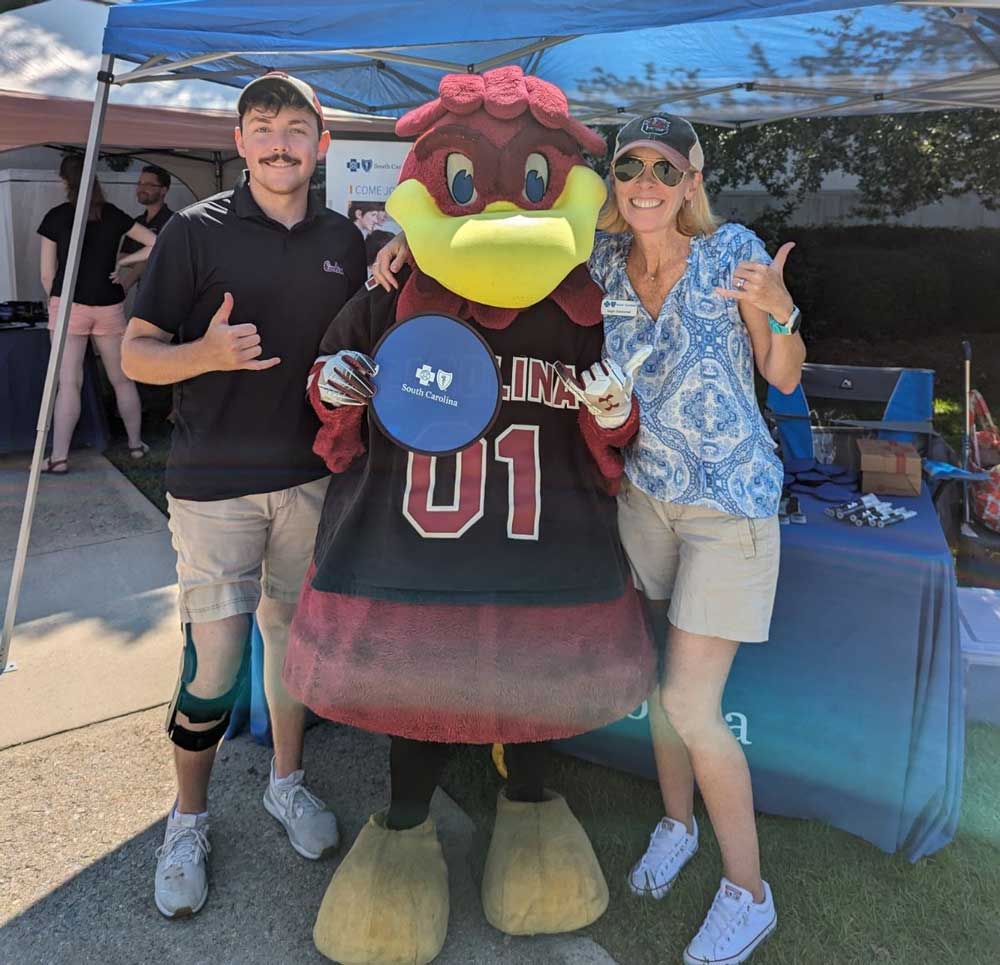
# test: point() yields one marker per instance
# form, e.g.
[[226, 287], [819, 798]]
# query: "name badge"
[[619, 308]]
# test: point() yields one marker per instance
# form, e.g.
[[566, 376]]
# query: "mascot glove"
[[345, 378], [606, 389]]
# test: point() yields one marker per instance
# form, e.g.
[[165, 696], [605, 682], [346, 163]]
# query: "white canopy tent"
[[719, 61]]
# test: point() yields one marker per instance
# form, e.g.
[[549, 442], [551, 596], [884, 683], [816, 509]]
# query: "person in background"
[[151, 192], [366, 215], [97, 311]]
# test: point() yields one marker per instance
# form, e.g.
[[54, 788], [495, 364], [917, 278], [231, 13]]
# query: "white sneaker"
[[181, 884], [312, 828], [670, 848], [734, 926]]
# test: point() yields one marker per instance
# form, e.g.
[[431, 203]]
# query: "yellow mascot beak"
[[504, 256]]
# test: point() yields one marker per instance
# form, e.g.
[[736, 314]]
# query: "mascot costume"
[[481, 597]]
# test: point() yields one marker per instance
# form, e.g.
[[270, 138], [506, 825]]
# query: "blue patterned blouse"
[[702, 439]]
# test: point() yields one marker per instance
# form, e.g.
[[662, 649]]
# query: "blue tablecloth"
[[852, 713], [24, 358]]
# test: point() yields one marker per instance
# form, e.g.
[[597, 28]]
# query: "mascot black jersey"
[[521, 516]]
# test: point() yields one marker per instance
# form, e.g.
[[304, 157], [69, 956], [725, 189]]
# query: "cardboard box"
[[889, 468]]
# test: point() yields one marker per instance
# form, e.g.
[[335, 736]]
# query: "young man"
[[150, 192], [231, 314]]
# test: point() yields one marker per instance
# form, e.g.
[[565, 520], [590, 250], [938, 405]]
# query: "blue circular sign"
[[437, 386]]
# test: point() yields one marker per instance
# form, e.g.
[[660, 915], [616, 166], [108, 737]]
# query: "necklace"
[[651, 276]]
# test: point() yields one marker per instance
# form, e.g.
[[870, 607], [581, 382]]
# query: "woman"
[[698, 509], [698, 513], [98, 307]]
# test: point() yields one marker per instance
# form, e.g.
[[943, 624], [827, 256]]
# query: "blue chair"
[[908, 395], [908, 415]]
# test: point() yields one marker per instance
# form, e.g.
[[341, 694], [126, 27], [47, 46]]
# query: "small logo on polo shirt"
[[332, 267]]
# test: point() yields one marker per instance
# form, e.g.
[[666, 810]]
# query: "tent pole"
[[104, 79]]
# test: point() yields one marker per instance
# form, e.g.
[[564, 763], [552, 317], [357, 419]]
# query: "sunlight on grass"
[[840, 900], [948, 417]]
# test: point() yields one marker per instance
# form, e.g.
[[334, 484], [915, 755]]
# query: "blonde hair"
[[694, 218]]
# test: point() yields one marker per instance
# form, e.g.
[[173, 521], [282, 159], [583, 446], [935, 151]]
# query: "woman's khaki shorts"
[[718, 571], [231, 550]]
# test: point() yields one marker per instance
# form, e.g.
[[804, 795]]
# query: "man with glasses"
[[150, 191]]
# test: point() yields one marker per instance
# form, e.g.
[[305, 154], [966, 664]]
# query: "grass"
[[840, 900], [147, 474]]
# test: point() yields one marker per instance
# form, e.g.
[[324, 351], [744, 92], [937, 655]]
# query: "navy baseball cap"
[[668, 134]]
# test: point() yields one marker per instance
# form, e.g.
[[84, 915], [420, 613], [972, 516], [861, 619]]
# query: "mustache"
[[283, 158]]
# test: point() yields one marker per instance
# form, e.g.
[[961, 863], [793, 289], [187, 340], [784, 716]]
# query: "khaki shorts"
[[718, 571], [229, 551]]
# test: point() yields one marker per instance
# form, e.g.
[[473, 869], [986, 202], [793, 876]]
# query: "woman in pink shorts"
[[98, 308]]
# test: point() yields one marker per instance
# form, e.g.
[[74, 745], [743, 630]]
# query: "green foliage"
[[902, 161], [894, 281]]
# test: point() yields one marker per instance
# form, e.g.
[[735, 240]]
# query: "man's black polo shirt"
[[154, 224], [237, 433]]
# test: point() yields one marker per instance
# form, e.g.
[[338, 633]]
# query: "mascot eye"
[[458, 171], [536, 177]]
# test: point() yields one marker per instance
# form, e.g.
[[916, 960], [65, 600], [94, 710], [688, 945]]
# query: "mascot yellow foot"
[[542, 876], [388, 902]]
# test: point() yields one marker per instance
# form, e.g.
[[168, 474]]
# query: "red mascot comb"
[[504, 93]]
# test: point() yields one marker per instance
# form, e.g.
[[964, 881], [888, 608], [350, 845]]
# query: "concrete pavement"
[[84, 814], [86, 777], [97, 633]]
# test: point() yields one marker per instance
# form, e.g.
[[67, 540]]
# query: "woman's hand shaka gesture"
[[763, 286]]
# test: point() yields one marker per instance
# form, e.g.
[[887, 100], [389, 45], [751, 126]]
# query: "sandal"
[[139, 451], [52, 467]]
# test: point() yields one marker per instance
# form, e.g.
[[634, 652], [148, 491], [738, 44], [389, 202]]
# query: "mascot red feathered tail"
[[482, 597]]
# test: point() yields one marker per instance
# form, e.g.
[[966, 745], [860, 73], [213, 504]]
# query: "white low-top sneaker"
[[311, 826], [180, 887], [670, 848], [734, 926]]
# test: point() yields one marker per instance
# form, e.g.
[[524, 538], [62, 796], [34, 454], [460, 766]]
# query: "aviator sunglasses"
[[628, 168]]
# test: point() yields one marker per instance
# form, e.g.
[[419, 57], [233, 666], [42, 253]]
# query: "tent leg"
[[55, 355]]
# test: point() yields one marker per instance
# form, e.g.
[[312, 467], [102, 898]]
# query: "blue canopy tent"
[[721, 62], [728, 62]]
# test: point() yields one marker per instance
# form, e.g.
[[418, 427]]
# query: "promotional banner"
[[360, 176]]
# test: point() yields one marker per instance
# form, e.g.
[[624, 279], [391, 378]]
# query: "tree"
[[902, 161]]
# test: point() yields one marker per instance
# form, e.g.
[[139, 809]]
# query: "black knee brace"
[[202, 710]]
